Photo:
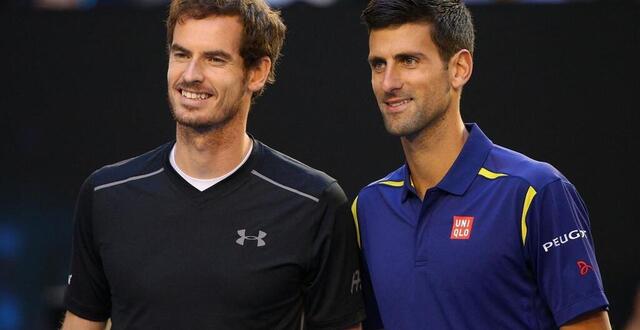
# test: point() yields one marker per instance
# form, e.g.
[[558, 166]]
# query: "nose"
[[391, 80], [193, 72]]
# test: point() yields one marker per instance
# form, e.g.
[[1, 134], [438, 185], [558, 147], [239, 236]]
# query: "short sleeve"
[[561, 252], [333, 299], [374, 320], [87, 294]]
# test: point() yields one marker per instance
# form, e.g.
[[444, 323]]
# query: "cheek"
[[232, 82], [172, 74], [376, 85], [175, 71]]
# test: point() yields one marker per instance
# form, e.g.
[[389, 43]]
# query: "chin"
[[185, 118], [395, 131], [399, 130], [203, 124]]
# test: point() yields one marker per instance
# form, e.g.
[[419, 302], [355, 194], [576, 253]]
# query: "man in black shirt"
[[215, 230]]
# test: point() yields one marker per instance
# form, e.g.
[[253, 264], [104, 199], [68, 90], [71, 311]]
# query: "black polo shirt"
[[272, 246]]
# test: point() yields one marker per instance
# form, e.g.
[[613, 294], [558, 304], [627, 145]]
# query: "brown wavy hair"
[[263, 29]]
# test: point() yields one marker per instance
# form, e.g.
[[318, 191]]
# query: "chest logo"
[[244, 237], [462, 226]]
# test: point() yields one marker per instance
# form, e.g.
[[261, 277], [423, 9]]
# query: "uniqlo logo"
[[462, 226]]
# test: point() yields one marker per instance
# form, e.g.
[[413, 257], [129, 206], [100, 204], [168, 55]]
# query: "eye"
[[216, 60], [377, 66], [180, 55], [410, 61]]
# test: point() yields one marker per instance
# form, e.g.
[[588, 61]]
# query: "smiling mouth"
[[395, 104], [194, 95]]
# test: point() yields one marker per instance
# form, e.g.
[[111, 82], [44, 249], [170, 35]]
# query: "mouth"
[[194, 95], [397, 104]]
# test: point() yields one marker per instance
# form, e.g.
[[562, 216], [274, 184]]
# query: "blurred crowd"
[[89, 4]]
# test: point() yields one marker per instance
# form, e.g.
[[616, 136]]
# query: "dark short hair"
[[451, 21], [263, 29]]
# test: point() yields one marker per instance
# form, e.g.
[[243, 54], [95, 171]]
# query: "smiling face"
[[409, 78], [207, 81]]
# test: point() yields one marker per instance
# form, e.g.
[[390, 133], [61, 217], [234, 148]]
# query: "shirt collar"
[[465, 168], [407, 188]]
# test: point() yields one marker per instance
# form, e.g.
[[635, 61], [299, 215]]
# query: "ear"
[[258, 74], [460, 68]]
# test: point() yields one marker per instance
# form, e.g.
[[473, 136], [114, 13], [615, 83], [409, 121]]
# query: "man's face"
[[207, 82], [409, 78]]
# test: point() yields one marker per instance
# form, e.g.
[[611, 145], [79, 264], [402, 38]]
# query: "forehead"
[[404, 38], [209, 33]]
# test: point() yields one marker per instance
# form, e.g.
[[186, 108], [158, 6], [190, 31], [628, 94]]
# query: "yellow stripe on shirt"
[[490, 175], [354, 211], [392, 183], [527, 202]]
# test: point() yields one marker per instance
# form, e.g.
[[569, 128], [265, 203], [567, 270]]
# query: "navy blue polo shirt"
[[502, 242]]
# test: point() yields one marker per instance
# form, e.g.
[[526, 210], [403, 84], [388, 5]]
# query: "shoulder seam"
[[122, 162], [293, 160], [129, 179], [293, 190], [539, 190], [508, 175], [491, 175], [380, 181]]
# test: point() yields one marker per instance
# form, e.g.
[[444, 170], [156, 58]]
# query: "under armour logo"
[[356, 284], [244, 237]]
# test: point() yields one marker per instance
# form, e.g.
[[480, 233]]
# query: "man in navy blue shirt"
[[466, 234]]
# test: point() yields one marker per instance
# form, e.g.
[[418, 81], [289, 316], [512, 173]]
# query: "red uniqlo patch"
[[462, 226]]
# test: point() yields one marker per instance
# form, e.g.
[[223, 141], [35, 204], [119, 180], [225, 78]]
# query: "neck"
[[212, 153], [431, 153]]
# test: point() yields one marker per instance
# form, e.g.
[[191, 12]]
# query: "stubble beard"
[[422, 118], [208, 124], [212, 121]]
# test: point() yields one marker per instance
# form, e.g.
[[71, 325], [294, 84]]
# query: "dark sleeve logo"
[[356, 283], [583, 267]]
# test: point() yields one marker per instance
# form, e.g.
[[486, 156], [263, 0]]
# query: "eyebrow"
[[218, 53], [409, 54], [209, 54], [398, 56], [178, 48], [375, 59]]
